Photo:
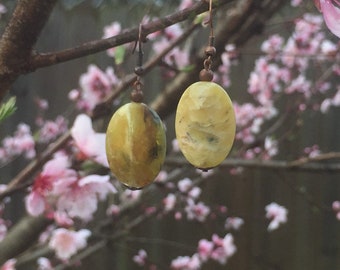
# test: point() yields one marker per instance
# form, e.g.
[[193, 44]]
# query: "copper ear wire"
[[206, 74], [137, 94]]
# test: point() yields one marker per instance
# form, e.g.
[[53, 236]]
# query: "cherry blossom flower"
[[44, 264], [196, 211], [81, 199], [3, 9], [109, 31], [95, 85], [175, 145], [336, 209], [9, 265], [224, 248], [205, 249], [90, 144], [234, 223], [186, 263], [66, 243], [169, 202], [185, 4], [53, 179], [113, 210], [3, 229], [219, 249], [22, 143], [277, 215], [52, 129], [184, 185], [331, 14], [140, 258]]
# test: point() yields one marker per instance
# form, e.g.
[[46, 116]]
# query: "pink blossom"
[[53, 180], [81, 199], [331, 14], [140, 258], [234, 223], [90, 144], [277, 215], [336, 209], [3, 229], [113, 210], [52, 129], [9, 265], [109, 31], [62, 219], [95, 86], [162, 176], [3, 9], [271, 147], [184, 185], [169, 202], [35, 203], [173, 31], [175, 146], [205, 249], [197, 211], [130, 195], [44, 264], [22, 143], [336, 206], [224, 248], [272, 45], [295, 3], [180, 262], [312, 151], [186, 263], [66, 243], [185, 4]]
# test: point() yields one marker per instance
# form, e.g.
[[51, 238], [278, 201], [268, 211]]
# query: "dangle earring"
[[205, 120], [135, 137]]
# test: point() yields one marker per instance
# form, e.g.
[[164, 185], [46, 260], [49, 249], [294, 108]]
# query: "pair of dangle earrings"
[[204, 124]]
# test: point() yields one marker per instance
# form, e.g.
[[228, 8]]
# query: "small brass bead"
[[206, 75], [210, 51]]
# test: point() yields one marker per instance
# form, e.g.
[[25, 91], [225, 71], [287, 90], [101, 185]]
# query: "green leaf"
[[7, 109], [119, 54], [188, 68]]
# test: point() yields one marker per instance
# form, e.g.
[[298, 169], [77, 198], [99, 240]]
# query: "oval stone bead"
[[205, 124], [135, 145]]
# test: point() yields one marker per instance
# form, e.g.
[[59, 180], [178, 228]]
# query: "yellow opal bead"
[[205, 124], [135, 145]]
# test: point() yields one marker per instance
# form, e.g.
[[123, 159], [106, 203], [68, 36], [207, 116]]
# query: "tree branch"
[[303, 164], [95, 46], [21, 237], [20, 35]]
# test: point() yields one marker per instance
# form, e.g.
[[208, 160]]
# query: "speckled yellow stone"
[[135, 145], [205, 124]]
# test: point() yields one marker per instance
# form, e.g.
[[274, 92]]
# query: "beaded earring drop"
[[135, 137], [205, 120]]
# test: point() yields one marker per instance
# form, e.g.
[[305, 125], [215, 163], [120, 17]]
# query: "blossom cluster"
[[283, 70], [95, 86], [218, 249]]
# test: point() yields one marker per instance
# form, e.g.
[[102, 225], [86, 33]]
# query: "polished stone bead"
[[135, 145], [205, 124]]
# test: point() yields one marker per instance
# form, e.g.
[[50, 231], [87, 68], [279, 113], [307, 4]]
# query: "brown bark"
[[19, 38], [21, 237]]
